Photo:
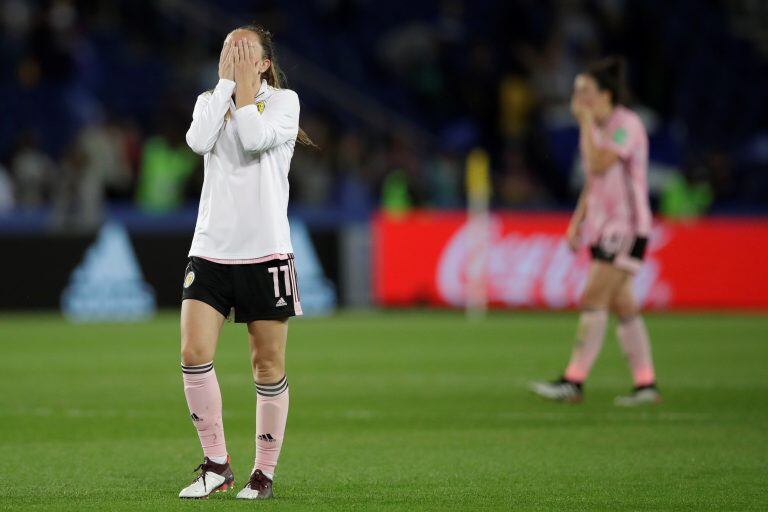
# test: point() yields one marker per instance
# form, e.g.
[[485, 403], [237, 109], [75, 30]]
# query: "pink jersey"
[[617, 200]]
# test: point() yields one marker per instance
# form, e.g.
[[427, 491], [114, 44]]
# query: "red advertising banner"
[[422, 258]]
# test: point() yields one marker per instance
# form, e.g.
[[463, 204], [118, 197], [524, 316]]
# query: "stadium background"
[[98, 198]]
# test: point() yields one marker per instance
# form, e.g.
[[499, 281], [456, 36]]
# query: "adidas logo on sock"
[[195, 417], [266, 437], [281, 302]]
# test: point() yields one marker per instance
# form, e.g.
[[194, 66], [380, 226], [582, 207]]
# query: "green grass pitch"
[[390, 411]]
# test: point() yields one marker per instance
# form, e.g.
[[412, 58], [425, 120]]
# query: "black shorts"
[[626, 256], [256, 291]]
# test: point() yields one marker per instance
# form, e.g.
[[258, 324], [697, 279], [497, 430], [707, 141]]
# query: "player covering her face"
[[613, 215], [241, 259]]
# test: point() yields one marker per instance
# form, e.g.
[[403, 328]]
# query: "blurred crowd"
[[97, 97]]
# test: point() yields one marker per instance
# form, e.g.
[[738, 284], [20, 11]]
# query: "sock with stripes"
[[204, 400], [589, 341], [271, 416], [633, 337]]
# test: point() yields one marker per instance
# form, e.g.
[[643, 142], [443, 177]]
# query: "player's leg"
[[200, 327], [634, 340], [602, 282], [267, 339]]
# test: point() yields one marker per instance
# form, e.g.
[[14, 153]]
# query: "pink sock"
[[271, 416], [633, 337], [204, 400], [589, 341]]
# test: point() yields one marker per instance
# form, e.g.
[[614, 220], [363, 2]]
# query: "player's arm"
[[210, 109], [573, 234], [581, 207], [277, 125], [597, 159]]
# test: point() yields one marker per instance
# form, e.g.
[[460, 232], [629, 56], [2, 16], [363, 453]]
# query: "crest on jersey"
[[620, 135], [189, 279], [260, 106]]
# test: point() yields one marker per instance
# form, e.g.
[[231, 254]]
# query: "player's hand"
[[580, 111], [245, 62], [573, 237], [227, 61]]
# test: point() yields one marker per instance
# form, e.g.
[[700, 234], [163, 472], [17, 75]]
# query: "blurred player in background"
[[241, 259], [615, 214]]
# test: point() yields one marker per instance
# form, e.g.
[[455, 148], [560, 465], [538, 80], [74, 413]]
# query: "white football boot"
[[212, 478], [640, 396], [560, 390]]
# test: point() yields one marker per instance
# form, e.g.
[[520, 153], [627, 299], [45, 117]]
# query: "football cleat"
[[259, 487], [212, 478], [561, 390], [641, 395]]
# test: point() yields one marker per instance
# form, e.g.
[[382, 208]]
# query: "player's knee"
[[625, 310], [192, 354], [594, 298], [265, 363], [624, 307], [267, 368]]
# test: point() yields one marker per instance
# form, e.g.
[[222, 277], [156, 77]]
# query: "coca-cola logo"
[[530, 269]]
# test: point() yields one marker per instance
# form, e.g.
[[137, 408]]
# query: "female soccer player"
[[241, 260], [615, 212]]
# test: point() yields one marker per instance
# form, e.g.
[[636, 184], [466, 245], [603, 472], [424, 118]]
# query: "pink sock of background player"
[[634, 340], [589, 341]]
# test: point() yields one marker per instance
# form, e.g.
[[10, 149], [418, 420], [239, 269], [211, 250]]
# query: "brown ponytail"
[[274, 75]]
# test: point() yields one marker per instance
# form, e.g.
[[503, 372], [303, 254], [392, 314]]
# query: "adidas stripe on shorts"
[[255, 291]]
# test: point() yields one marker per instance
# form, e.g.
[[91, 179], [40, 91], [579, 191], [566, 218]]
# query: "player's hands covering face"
[[245, 61], [227, 61]]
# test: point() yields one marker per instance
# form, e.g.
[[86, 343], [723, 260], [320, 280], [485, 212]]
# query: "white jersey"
[[243, 212]]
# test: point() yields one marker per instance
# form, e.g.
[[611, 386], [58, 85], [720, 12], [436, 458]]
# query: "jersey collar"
[[262, 89]]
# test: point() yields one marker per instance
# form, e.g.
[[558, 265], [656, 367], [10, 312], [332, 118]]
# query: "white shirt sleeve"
[[208, 117], [278, 124]]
